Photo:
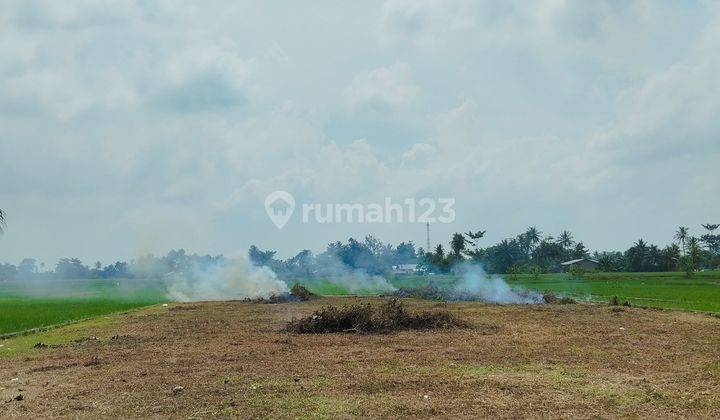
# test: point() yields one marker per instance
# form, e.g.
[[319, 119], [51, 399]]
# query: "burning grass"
[[389, 316], [297, 293], [431, 292]]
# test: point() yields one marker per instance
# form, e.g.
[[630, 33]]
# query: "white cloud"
[[672, 113], [382, 89], [146, 116], [424, 22], [417, 152]]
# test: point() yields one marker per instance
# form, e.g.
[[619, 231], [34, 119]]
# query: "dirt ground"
[[228, 359]]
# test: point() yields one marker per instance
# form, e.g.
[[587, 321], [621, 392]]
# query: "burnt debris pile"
[[392, 315]]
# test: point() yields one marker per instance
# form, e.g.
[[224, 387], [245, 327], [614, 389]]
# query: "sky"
[[133, 127]]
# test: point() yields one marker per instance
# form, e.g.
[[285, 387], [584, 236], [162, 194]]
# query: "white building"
[[405, 269]]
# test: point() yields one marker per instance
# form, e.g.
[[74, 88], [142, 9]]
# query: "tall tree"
[[711, 240], [635, 256], [681, 236], [532, 234], [691, 260], [565, 239], [439, 252], [473, 237], [669, 258], [405, 253], [301, 265], [27, 266], [501, 256], [457, 245], [580, 251], [261, 258], [548, 254], [711, 227]]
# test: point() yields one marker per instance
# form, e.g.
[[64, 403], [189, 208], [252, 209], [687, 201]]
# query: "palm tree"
[[681, 236], [565, 239], [693, 249], [711, 227], [532, 234]]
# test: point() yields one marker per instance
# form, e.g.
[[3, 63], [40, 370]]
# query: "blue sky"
[[133, 127]]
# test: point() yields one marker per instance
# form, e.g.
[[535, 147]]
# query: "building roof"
[[571, 262]]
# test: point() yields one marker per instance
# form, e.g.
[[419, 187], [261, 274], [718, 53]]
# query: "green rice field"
[[701, 292], [24, 307]]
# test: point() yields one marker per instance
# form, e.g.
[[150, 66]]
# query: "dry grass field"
[[229, 359]]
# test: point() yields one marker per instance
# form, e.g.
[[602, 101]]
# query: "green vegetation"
[[660, 290], [23, 308], [59, 302], [326, 288]]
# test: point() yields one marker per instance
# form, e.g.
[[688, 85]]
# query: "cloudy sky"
[[129, 127]]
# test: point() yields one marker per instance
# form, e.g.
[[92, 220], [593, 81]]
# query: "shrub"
[[366, 318], [688, 265], [535, 271], [514, 271], [576, 271]]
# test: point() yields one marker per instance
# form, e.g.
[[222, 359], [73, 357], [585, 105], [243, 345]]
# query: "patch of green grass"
[[662, 290], [303, 406], [100, 327], [715, 367], [339, 287], [23, 307]]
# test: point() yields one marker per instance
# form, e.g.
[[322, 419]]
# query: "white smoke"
[[353, 281], [224, 280], [359, 282], [475, 284]]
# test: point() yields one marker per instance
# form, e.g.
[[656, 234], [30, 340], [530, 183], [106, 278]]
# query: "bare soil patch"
[[230, 359]]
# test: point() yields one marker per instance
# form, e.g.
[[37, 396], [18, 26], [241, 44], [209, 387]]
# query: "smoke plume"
[[475, 284], [224, 279], [352, 281]]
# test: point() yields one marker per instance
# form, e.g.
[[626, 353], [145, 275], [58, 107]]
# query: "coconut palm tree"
[[711, 227], [681, 235], [565, 239], [533, 235]]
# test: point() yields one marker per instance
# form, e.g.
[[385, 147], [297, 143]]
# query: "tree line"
[[531, 251]]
